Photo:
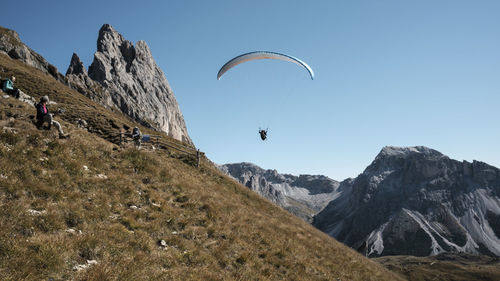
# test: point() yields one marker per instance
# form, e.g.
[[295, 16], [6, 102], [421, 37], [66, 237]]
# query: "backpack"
[[3, 84]]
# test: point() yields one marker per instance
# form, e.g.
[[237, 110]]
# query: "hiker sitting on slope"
[[8, 87], [43, 115]]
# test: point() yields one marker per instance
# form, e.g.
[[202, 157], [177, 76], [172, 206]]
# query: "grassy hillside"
[[85, 209], [445, 267]]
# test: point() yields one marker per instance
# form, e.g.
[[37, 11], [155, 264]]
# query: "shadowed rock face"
[[303, 196], [11, 44], [76, 66], [131, 81], [417, 201]]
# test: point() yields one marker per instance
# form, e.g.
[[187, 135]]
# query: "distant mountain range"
[[303, 196], [408, 201]]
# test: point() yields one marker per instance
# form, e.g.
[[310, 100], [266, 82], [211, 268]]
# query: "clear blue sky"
[[388, 72]]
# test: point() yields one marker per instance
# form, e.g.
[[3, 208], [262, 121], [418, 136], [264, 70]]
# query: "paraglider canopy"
[[262, 55]]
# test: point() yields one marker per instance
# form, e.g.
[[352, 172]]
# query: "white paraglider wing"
[[262, 55]]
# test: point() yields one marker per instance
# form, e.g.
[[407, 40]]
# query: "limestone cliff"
[[130, 81]]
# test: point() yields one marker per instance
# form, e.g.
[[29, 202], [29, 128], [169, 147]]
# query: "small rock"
[[36, 213], [163, 244], [114, 217], [80, 267], [85, 168], [9, 130], [73, 231]]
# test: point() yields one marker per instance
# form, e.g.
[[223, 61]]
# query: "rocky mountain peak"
[[76, 66], [132, 82], [109, 39], [417, 201], [78, 79], [419, 159], [404, 152], [114, 45], [12, 35], [240, 168]]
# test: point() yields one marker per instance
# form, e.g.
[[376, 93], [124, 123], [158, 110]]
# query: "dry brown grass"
[[445, 267], [55, 214]]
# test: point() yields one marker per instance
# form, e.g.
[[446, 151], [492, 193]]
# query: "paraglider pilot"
[[263, 134]]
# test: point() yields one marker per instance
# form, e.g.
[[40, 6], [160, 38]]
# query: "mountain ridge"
[[408, 201], [303, 195], [417, 196]]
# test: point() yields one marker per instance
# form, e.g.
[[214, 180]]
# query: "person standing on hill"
[[137, 137], [8, 87], [43, 115]]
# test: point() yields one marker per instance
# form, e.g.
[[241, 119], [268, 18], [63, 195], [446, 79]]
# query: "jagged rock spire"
[[76, 66], [136, 85]]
